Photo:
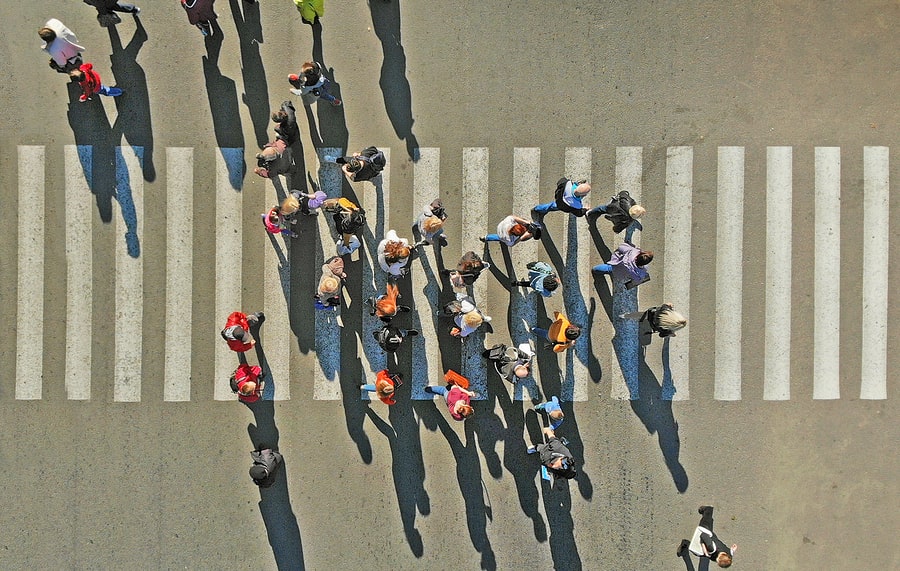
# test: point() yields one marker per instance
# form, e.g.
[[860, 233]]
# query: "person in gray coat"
[[265, 463]]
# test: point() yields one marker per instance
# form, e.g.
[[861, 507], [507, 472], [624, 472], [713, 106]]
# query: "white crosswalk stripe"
[[575, 249]]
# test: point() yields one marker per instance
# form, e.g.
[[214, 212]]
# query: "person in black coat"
[[662, 319], [555, 456], [265, 462], [364, 165], [109, 6], [621, 210], [389, 337], [710, 545], [286, 123]]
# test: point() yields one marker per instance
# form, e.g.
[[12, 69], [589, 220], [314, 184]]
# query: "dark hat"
[[258, 472]]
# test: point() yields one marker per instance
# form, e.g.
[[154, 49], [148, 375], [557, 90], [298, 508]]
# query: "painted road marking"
[[876, 173], [30, 303], [475, 192], [779, 192], [79, 270], [827, 286]]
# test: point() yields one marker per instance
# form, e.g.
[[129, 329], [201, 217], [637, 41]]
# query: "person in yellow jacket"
[[561, 335], [310, 10]]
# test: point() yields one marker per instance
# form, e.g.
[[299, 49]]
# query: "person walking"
[[627, 263], [385, 306], [349, 218], [661, 319], [430, 224], [553, 411], [328, 293], [512, 230], [555, 456], [393, 254], [568, 197], [456, 394], [622, 210], [541, 278], [200, 13], [61, 45], [237, 330], [265, 463], [364, 165], [390, 338], [312, 81], [310, 10], [511, 363], [467, 318], [285, 120], [705, 543], [275, 223], [90, 82], [274, 159], [106, 7], [309, 202], [467, 270], [385, 386], [561, 335], [245, 382]]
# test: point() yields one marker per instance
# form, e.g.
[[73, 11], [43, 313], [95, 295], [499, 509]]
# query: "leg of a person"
[[539, 406], [370, 388], [540, 333], [707, 518], [110, 91], [598, 209], [323, 92], [492, 238], [545, 208], [124, 7], [603, 268], [439, 391]]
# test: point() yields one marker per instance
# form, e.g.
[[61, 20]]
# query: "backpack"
[[376, 158], [495, 353], [349, 221], [389, 338]]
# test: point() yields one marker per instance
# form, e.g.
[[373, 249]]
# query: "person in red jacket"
[[385, 386], [90, 83], [245, 382], [237, 330]]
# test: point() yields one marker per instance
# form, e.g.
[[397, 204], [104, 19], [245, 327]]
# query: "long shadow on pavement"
[[256, 88]]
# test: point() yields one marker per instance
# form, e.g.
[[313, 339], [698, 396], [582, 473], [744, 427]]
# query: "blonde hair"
[[637, 211], [308, 67], [290, 205], [247, 388], [432, 224], [387, 305], [472, 319], [672, 320], [329, 284]]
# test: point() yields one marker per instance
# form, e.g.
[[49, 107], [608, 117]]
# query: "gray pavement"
[[798, 484]]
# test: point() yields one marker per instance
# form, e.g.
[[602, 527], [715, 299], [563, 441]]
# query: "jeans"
[[540, 333], [370, 388], [602, 268], [119, 7], [323, 92], [492, 238], [438, 391], [110, 91], [597, 210], [545, 208]]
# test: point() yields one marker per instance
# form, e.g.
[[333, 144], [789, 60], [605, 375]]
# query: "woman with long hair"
[[385, 306]]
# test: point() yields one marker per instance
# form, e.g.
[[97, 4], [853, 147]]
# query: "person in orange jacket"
[[237, 330], [385, 386], [90, 83], [561, 335]]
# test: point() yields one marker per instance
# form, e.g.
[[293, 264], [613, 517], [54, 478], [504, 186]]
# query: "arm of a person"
[[521, 221]]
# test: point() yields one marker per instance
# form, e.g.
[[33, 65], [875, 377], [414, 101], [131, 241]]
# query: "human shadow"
[[221, 92], [394, 84], [656, 414], [689, 563], [133, 120], [256, 88], [96, 148], [282, 529], [332, 124], [407, 467]]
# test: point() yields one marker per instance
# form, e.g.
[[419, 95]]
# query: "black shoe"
[[442, 240], [412, 332], [403, 309], [261, 317], [482, 238], [684, 544], [429, 390], [702, 509]]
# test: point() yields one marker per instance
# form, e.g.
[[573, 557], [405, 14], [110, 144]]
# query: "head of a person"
[[274, 215], [353, 165], [644, 258], [290, 204], [258, 472], [672, 320], [394, 251], [47, 34], [268, 154], [637, 211], [563, 467], [329, 285], [279, 116], [472, 319], [308, 68], [473, 266], [465, 410], [238, 333], [582, 189], [77, 75], [247, 388], [573, 332], [432, 224], [723, 560], [551, 283], [385, 389], [521, 371], [387, 305], [518, 230], [556, 415]]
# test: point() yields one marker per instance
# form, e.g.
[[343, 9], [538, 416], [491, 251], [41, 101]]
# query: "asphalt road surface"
[[761, 137]]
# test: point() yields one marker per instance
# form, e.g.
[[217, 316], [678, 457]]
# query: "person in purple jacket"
[[627, 263]]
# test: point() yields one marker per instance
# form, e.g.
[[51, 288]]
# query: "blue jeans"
[[492, 238], [540, 333], [597, 210], [545, 208], [603, 268], [110, 91], [323, 92], [370, 388], [438, 391]]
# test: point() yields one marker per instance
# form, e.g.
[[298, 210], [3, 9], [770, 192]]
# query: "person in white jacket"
[[62, 45], [393, 254]]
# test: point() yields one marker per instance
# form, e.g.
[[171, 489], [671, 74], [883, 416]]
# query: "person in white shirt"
[[510, 231], [393, 254], [62, 45]]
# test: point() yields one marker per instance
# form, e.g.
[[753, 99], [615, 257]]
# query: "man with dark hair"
[[109, 6], [555, 456]]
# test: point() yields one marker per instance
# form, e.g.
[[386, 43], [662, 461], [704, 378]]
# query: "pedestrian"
[[541, 278], [467, 270], [312, 81], [274, 159], [393, 254], [90, 82], [456, 394], [385, 386], [62, 46], [621, 210], [705, 543], [105, 9], [512, 230], [661, 319], [285, 120], [245, 382], [200, 13], [385, 306], [561, 335], [553, 410], [627, 263], [237, 330], [511, 363], [328, 293], [309, 202], [390, 338], [569, 197], [349, 218], [467, 318], [311, 11], [555, 456], [275, 223], [265, 462], [430, 224], [364, 165]]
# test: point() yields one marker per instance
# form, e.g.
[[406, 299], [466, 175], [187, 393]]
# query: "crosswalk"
[[605, 364]]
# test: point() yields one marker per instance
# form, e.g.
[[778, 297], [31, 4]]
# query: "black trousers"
[[706, 520]]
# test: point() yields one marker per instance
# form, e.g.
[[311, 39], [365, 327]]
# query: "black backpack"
[[349, 221]]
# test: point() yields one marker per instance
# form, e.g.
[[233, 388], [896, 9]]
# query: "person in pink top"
[[457, 398]]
